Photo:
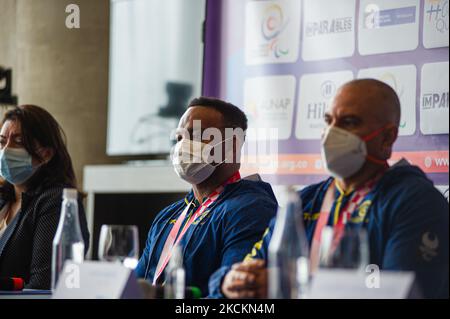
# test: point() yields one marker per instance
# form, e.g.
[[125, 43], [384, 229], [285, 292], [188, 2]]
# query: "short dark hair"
[[232, 115]]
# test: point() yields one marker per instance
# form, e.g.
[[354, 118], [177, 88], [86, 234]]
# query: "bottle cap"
[[70, 193]]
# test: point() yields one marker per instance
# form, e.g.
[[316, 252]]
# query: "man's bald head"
[[369, 109], [380, 97]]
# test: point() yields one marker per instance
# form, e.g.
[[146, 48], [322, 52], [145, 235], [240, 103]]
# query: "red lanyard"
[[321, 223], [340, 220], [174, 238], [344, 217]]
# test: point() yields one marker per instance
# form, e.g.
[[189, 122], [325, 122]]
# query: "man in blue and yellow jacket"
[[406, 217], [220, 219]]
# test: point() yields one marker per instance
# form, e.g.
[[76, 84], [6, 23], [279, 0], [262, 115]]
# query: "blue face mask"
[[16, 165]]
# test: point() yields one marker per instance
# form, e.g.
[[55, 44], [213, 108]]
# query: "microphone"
[[11, 284]]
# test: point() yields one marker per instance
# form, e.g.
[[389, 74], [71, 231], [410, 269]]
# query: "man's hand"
[[246, 280]]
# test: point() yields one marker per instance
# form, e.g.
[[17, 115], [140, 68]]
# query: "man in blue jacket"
[[406, 217], [220, 219]]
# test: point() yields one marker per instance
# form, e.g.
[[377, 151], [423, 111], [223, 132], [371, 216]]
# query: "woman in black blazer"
[[35, 167]]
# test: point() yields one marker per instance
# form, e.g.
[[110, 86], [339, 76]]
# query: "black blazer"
[[26, 245]]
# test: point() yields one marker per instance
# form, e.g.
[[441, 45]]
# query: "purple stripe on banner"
[[211, 64]]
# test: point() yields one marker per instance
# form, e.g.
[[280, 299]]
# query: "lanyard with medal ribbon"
[[340, 220], [174, 238]]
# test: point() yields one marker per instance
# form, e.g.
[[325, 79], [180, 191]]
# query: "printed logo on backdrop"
[[388, 26], [328, 89], [431, 101], [436, 12], [272, 25], [403, 80], [328, 30], [436, 24], [329, 26], [316, 110], [371, 16], [316, 94], [434, 99], [376, 18], [269, 103], [272, 31], [265, 109]]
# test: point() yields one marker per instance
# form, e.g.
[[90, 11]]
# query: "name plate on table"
[[351, 284], [97, 280]]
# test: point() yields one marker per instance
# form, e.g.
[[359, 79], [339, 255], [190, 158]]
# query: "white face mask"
[[343, 153], [192, 160]]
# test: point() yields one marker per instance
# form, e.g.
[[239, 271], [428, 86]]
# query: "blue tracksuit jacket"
[[407, 220], [222, 236]]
